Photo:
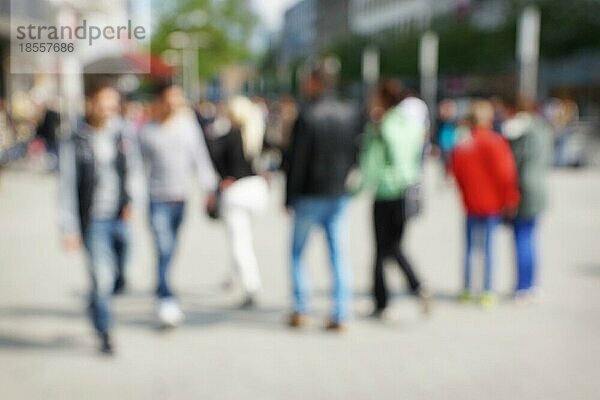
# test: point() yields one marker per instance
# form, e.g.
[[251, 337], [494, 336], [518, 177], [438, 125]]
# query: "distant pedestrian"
[[391, 162], [530, 138], [485, 171], [320, 157], [95, 200], [173, 147], [445, 135]]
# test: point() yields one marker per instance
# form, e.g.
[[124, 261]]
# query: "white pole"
[[528, 51], [428, 66], [370, 66]]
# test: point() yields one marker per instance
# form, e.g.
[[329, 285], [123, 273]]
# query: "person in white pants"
[[235, 142], [244, 199]]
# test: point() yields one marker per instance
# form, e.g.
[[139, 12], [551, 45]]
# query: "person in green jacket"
[[390, 160], [530, 138]]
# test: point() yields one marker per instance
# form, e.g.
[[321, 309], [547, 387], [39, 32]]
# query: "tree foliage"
[[225, 30]]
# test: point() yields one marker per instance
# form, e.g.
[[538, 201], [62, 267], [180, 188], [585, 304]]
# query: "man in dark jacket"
[[94, 205], [321, 154]]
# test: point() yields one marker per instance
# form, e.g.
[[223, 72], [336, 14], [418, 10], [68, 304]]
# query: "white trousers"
[[243, 200]]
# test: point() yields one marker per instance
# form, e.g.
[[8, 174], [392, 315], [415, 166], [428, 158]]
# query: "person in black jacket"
[[320, 157], [95, 200]]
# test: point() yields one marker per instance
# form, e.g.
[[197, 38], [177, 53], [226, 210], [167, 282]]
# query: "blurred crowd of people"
[[330, 149]]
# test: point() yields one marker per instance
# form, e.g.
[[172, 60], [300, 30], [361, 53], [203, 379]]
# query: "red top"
[[485, 171]]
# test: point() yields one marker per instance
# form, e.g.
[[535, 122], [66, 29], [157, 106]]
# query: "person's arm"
[[68, 201], [135, 184], [504, 170], [298, 156], [205, 170]]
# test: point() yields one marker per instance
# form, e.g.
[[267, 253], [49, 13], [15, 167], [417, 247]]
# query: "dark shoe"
[[336, 326], [377, 313], [106, 346], [120, 286], [382, 314], [298, 320], [249, 302]]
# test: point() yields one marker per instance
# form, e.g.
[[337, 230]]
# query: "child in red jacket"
[[485, 172]]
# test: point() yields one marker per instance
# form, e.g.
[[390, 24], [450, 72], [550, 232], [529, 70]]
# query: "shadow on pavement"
[[11, 341]]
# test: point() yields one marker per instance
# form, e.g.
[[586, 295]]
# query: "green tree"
[[223, 29]]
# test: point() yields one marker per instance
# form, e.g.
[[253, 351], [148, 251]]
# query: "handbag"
[[412, 198], [413, 201]]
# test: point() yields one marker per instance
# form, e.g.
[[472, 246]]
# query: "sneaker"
[[465, 297], [377, 313], [298, 320], [336, 326], [120, 286], [382, 314], [169, 313], [106, 346], [425, 298], [528, 297], [488, 300]]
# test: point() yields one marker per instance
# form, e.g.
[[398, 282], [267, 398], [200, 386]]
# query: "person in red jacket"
[[485, 171]]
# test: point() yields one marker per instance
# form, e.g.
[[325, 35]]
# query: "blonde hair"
[[482, 113], [249, 117]]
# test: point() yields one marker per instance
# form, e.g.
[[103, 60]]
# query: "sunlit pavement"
[[549, 351]]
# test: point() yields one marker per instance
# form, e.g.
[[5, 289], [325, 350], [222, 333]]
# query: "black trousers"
[[390, 222]]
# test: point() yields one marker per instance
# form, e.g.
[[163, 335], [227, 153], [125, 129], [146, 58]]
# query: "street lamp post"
[[528, 51]]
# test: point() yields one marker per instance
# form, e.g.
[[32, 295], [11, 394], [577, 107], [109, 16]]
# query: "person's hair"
[[160, 88], [97, 86], [390, 91], [325, 72], [520, 103], [482, 113], [248, 117]]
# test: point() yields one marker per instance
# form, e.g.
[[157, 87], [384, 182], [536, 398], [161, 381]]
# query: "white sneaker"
[[532, 296], [169, 313]]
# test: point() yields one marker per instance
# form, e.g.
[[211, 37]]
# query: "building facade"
[[298, 39], [368, 17]]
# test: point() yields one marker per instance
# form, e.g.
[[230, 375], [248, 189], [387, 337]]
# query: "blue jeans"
[[331, 214], [107, 245], [480, 237], [165, 219], [526, 251]]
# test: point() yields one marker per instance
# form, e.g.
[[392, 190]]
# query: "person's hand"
[[226, 183], [211, 201], [71, 242], [126, 213]]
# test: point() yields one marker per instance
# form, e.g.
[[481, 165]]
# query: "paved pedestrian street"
[[547, 351]]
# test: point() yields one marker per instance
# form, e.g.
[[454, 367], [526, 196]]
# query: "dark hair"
[[98, 86], [325, 72], [159, 89], [520, 103], [390, 91]]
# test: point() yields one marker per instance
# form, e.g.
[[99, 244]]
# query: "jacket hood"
[[516, 127]]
